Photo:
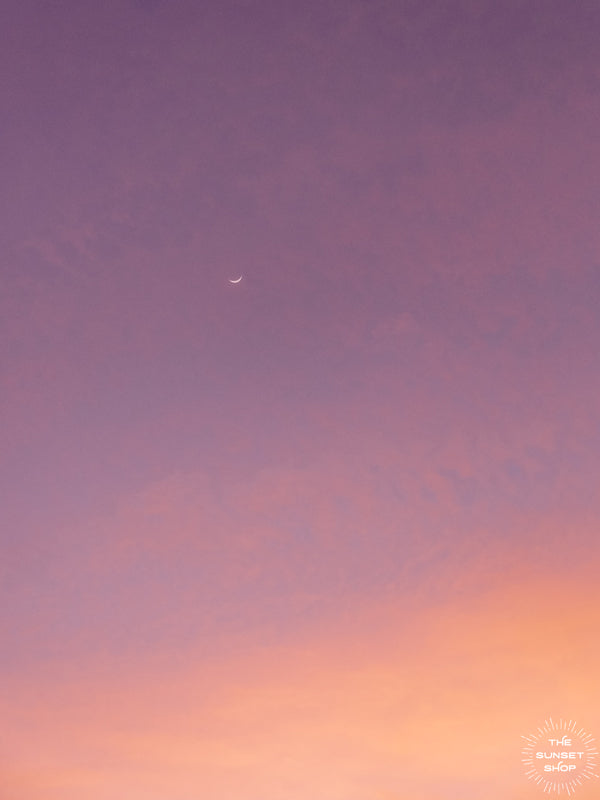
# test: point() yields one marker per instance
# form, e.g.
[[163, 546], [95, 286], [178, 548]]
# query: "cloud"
[[384, 702]]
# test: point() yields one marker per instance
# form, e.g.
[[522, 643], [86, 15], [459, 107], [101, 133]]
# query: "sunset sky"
[[330, 533]]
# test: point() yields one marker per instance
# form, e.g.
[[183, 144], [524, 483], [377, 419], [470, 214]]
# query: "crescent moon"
[[237, 280]]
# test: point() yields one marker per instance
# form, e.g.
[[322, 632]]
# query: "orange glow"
[[387, 708]]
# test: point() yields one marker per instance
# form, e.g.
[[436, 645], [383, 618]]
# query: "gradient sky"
[[332, 532]]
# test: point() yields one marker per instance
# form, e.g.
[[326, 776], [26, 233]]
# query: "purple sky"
[[399, 402]]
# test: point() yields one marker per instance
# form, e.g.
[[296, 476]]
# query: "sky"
[[330, 532]]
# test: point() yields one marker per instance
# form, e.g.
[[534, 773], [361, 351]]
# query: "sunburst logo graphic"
[[560, 756]]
